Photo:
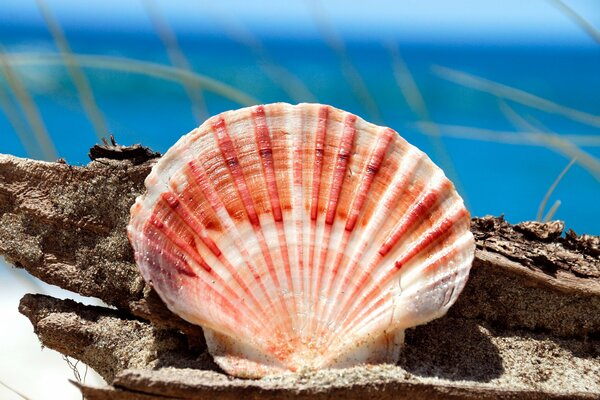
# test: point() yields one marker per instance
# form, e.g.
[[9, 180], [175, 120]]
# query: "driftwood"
[[527, 325]]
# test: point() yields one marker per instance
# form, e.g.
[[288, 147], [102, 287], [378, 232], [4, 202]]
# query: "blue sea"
[[494, 177]]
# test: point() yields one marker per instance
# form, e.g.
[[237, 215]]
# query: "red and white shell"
[[300, 237]]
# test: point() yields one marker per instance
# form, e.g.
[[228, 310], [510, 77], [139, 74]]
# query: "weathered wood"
[[526, 326], [109, 341], [137, 153], [521, 281], [66, 225], [448, 358]]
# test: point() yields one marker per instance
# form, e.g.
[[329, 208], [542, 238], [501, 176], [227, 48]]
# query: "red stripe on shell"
[[341, 163], [318, 163], [371, 170], [231, 160], [173, 202], [413, 214], [265, 150], [432, 235]]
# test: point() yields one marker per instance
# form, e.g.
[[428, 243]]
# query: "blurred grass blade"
[[410, 90], [488, 135], [407, 84], [32, 114], [578, 19], [553, 141], [14, 118], [137, 67], [353, 77], [544, 202], [84, 91], [21, 395], [177, 57], [293, 86], [516, 95], [552, 211]]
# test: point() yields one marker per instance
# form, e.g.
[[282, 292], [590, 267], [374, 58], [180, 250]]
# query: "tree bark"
[[527, 325]]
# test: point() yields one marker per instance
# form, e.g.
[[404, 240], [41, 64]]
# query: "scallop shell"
[[300, 237]]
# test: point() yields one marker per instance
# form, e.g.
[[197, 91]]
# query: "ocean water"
[[494, 178]]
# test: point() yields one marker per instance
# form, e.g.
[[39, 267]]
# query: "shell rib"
[[300, 237]]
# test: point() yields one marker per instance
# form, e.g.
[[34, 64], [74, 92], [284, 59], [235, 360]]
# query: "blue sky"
[[464, 21]]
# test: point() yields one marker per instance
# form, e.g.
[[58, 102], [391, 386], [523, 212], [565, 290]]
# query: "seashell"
[[300, 237]]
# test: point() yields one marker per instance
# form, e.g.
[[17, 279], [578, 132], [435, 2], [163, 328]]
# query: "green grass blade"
[[130, 65], [518, 96], [177, 57], [82, 85]]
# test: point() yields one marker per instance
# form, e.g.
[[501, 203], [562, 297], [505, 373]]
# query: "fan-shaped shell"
[[300, 237]]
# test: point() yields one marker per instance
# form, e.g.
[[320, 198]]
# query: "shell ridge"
[[185, 248], [341, 164], [296, 158], [334, 133], [320, 137], [436, 259], [229, 153], [436, 232], [147, 264], [337, 179], [426, 199], [312, 117], [181, 210], [265, 151], [305, 178], [458, 212], [392, 194], [162, 229], [377, 304], [369, 170], [196, 273], [318, 160], [173, 260], [218, 207], [230, 156]]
